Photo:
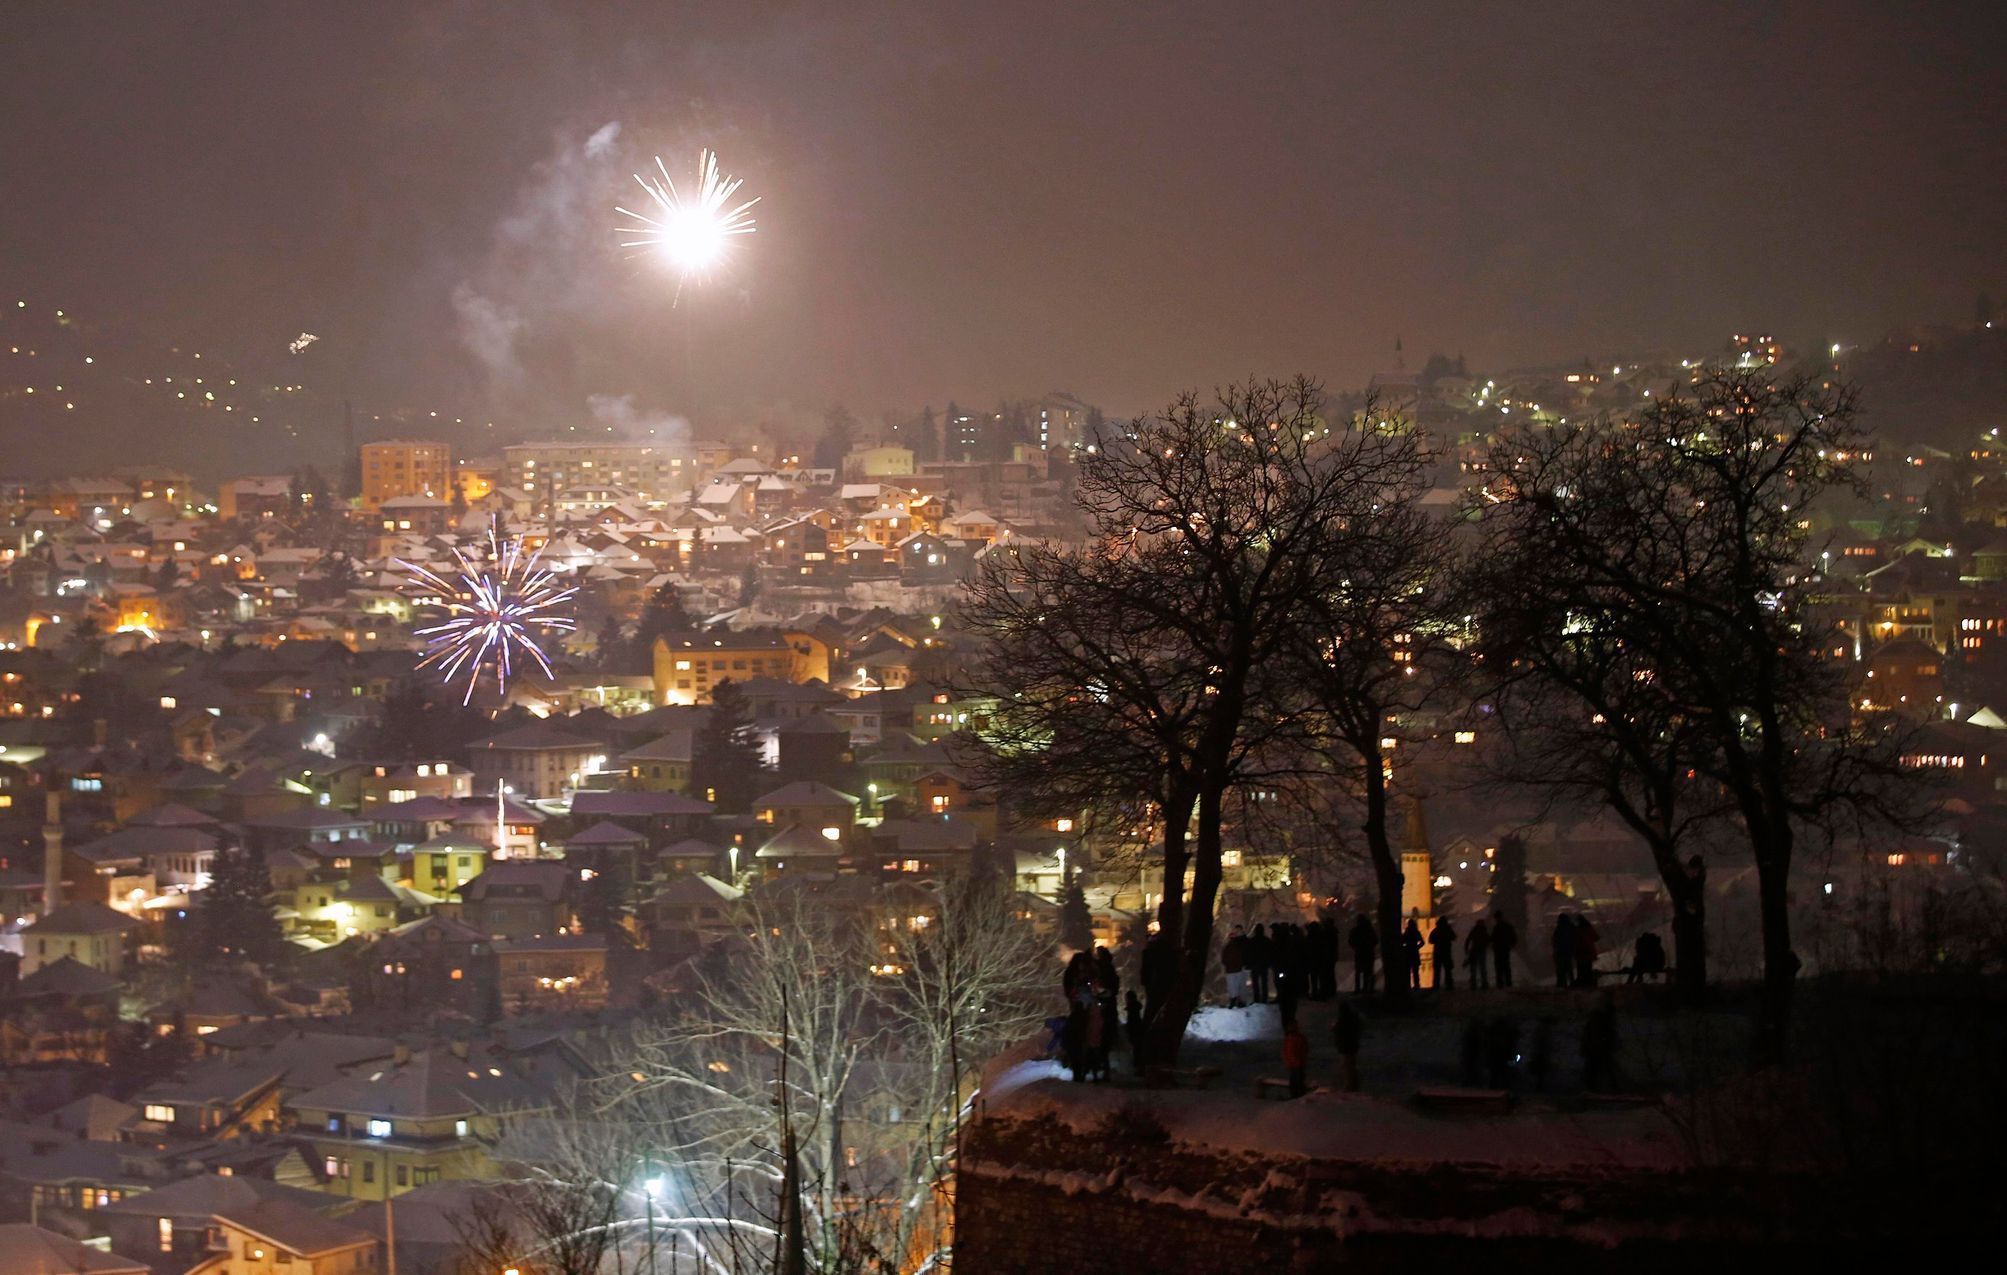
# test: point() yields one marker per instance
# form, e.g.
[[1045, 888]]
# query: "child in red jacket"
[[1295, 1057]]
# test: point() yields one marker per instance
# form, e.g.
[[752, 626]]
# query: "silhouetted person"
[[1108, 985], [1599, 1048], [1477, 953], [1411, 948], [1313, 951], [1564, 950], [1348, 1030], [1586, 952], [1504, 937], [1365, 950], [1260, 963], [1233, 963], [1442, 943], [1648, 958], [1296, 1057], [1079, 1039]]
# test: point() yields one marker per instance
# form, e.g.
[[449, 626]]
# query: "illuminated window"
[[166, 1235], [157, 1111], [1466, 737], [379, 1128], [1062, 825]]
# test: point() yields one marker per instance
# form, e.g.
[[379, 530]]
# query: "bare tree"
[[801, 1112], [1381, 640], [1683, 534], [1152, 659]]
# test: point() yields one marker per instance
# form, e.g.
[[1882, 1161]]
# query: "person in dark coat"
[[1365, 951], [1078, 983], [1477, 953], [1313, 951], [1233, 963], [1288, 968], [1564, 950], [1442, 943], [1411, 947], [1109, 985], [1260, 962], [1348, 1030], [1648, 958], [1504, 937], [1586, 952]]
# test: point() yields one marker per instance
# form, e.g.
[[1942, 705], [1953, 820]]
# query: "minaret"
[[52, 851], [1418, 884]]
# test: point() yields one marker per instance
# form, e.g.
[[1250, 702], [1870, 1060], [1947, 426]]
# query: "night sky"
[[965, 201]]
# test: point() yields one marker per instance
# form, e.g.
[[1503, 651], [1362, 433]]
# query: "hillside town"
[[293, 930]]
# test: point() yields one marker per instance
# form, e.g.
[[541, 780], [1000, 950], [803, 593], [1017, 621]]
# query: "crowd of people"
[[1286, 963]]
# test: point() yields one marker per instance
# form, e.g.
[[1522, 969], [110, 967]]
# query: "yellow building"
[[689, 665], [402, 467]]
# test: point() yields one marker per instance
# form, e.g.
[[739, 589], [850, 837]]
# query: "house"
[[278, 1237], [421, 1118], [88, 932], [443, 864], [179, 1226], [552, 971], [691, 912], [689, 665], [521, 898], [808, 803], [437, 963], [212, 1098], [541, 760], [30, 1250]]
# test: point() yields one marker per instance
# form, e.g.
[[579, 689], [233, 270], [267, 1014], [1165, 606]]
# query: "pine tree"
[[1076, 923], [926, 441], [236, 915], [839, 431], [725, 763], [664, 614]]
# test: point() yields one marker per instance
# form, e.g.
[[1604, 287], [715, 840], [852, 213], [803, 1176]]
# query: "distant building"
[[548, 468], [402, 467]]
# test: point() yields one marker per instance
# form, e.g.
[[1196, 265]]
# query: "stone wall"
[[1036, 1195]]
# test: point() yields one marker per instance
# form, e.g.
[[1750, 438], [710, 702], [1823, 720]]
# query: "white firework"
[[695, 230], [495, 612]]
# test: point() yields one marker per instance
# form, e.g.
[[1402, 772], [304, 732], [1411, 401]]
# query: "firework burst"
[[495, 612], [692, 229]]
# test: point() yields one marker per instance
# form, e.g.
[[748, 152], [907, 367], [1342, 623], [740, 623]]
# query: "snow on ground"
[[1217, 1023], [1423, 1048]]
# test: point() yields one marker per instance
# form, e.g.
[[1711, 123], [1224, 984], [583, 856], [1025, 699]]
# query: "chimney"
[[52, 851], [400, 1055]]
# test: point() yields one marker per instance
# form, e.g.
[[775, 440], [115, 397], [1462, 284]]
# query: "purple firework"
[[498, 608]]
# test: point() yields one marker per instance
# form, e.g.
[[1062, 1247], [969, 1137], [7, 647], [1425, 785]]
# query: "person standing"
[[1365, 950], [1442, 942], [1477, 954], [1260, 960], [1296, 1057], [1564, 950], [1108, 987], [1585, 952], [1348, 1031], [1504, 937], [1233, 961], [1411, 948], [1313, 950]]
